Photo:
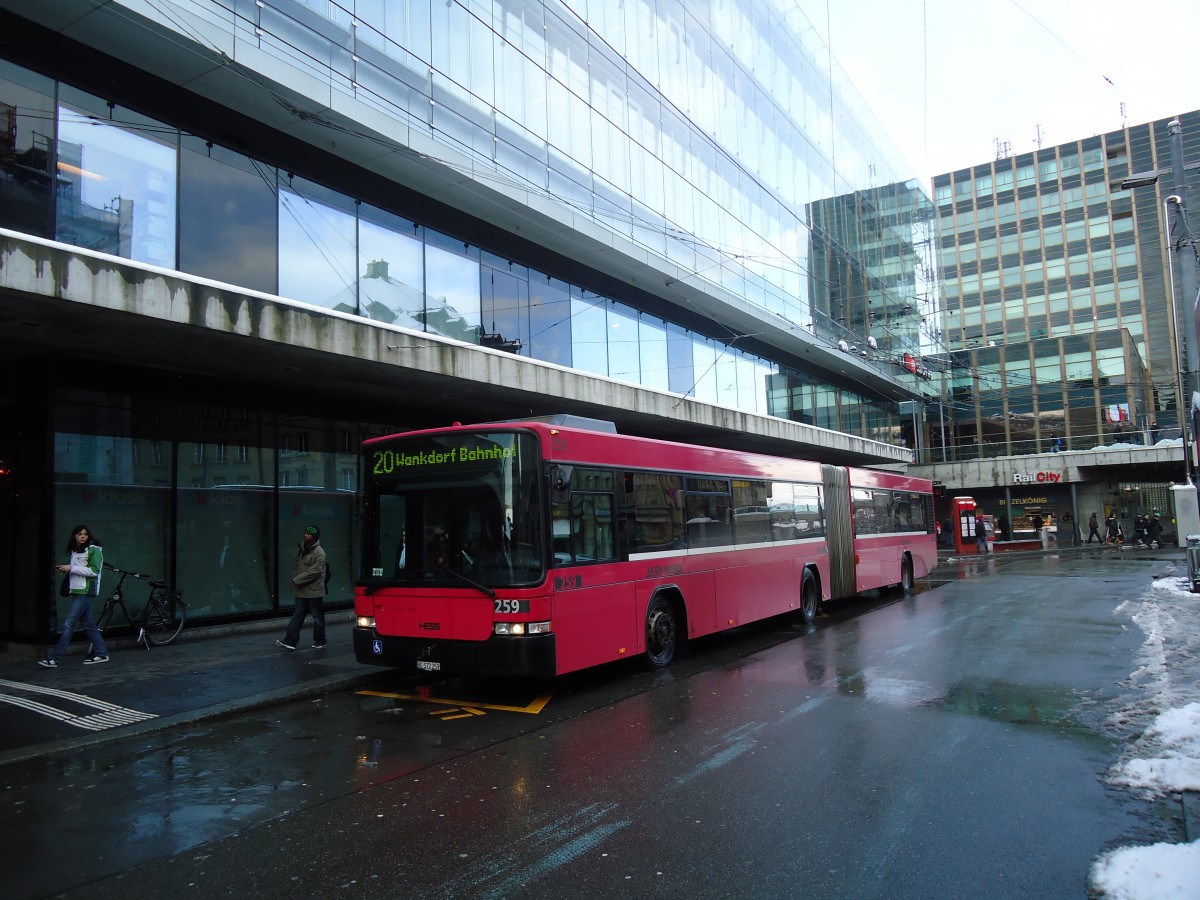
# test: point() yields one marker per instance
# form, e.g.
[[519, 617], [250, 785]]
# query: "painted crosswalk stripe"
[[105, 715]]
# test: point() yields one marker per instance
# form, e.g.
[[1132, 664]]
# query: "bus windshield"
[[459, 509]]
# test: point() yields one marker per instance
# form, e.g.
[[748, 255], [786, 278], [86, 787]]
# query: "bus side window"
[[863, 501], [751, 518], [656, 521], [708, 518], [592, 527], [810, 520]]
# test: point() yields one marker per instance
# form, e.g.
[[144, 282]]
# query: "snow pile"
[[1165, 759], [1160, 872], [1175, 739]]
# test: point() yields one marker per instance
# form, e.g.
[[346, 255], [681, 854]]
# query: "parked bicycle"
[[162, 617]]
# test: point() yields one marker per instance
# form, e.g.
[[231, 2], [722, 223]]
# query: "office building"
[[1061, 329], [239, 237]]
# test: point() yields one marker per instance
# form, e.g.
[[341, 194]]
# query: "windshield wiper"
[[475, 584]]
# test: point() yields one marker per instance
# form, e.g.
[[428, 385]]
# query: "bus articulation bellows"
[[540, 548]]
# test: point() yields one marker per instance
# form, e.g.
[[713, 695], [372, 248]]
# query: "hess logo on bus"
[[430, 626]]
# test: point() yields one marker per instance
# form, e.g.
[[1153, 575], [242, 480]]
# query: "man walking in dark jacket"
[[308, 584], [1154, 531]]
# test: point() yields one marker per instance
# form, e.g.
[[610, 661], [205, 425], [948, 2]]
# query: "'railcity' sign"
[[1037, 477]]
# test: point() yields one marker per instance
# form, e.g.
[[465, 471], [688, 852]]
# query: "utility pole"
[[1184, 248], [1182, 255]]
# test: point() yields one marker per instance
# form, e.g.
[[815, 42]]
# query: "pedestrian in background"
[[981, 532], [1094, 529], [1139, 528], [308, 585], [1154, 531], [1113, 528], [82, 576]]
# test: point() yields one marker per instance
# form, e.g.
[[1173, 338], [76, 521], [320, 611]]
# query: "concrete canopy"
[[62, 299]]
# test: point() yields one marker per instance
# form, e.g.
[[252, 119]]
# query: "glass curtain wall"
[[116, 181], [27, 110], [228, 216], [212, 498], [707, 138], [242, 223], [318, 480], [113, 471], [1071, 393]]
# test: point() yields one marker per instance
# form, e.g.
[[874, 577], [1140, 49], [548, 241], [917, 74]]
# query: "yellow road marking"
[[467, 712], [532, 709]]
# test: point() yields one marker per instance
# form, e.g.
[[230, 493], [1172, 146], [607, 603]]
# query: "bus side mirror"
[[560, 484]]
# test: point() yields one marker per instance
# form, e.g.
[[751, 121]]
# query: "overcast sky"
[[948, 78]]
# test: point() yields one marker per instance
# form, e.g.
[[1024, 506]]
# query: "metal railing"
[[974, 450]]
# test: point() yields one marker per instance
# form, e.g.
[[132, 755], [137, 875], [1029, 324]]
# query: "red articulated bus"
[[543, 547]]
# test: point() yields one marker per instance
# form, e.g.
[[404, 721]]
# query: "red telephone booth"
[[962, 515]]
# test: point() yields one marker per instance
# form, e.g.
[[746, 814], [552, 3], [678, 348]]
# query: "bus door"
[[840, 534], [594, 616]]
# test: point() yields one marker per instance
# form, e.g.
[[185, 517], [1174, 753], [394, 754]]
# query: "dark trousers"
[[1095, 534], [304, 606]]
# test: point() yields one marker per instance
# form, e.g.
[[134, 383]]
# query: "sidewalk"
[[207, 673], [946, 554]]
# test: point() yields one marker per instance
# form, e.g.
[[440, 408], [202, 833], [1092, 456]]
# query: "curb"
[[945, 556], [209, 632], [1190, 801]]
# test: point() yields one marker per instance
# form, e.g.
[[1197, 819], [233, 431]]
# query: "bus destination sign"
[[388, 462]]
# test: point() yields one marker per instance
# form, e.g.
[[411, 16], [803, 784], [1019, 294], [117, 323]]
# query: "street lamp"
[[1140, 179], [1183, 248]]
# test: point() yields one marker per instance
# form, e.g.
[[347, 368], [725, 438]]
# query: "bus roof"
[[569, 444]]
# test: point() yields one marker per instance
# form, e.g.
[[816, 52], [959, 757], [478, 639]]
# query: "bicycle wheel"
[[163, 618]]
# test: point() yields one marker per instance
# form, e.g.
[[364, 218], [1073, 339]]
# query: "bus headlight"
[[516, 629], [365, 621]]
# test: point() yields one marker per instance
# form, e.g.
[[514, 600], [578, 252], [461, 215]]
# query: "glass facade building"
[[686, 199], [1057, 297]]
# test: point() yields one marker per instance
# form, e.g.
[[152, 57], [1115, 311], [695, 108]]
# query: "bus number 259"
[[511, 606]]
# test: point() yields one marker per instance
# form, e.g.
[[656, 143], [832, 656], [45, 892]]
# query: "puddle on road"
[[1015, 704]]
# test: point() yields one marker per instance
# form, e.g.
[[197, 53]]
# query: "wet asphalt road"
[[950, 744]]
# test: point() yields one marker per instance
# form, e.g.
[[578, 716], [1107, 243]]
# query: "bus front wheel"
[[906, 576], [661, 633]]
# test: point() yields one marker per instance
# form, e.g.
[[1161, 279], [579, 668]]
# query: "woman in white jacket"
[[87, 562]]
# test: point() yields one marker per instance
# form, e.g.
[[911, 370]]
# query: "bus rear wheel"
[[810, 598], [662, 633], [906, 576]]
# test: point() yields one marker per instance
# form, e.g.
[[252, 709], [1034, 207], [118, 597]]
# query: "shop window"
[[129, 516]]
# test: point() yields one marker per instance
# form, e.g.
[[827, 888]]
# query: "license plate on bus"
[[427, 665]]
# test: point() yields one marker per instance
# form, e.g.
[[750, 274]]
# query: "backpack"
[[328, 573]]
